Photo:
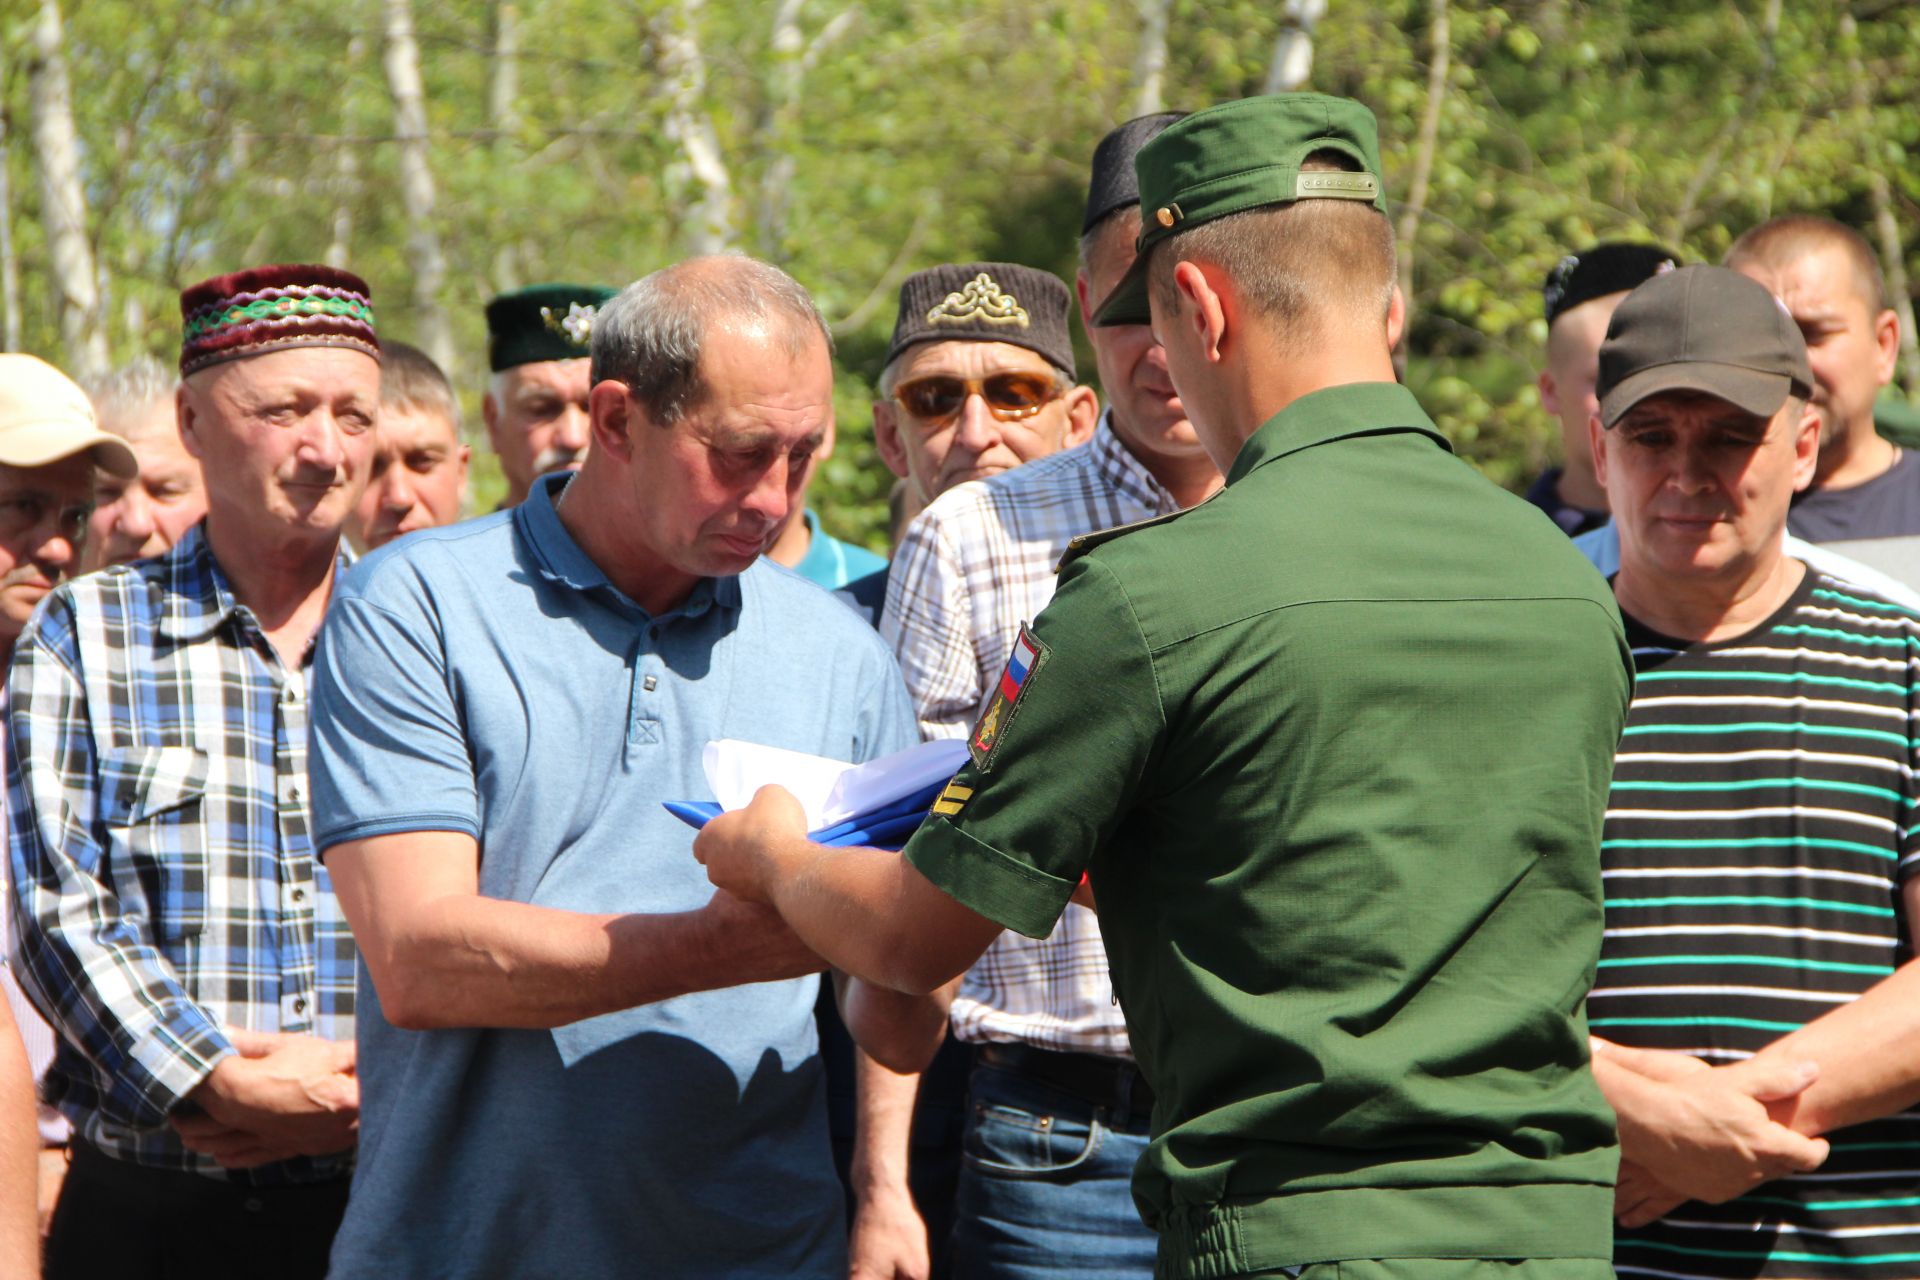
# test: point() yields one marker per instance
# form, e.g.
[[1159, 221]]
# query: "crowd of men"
[[1354, 874]]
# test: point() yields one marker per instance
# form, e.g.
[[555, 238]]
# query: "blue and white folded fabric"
[[875, 805]]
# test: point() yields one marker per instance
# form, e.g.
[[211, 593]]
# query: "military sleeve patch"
[[1027, 656], [953, 799]]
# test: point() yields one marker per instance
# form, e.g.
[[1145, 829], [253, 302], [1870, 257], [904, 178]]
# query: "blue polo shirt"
[[488, 678]]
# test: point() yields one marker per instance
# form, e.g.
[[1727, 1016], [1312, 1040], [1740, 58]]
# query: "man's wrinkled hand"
[[277, 1097], [741, 849]]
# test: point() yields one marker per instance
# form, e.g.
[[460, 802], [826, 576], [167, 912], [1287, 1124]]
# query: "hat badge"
[[981, 301], [576, 326]]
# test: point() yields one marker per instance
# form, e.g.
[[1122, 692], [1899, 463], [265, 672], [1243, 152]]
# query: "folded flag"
[[876, 805]]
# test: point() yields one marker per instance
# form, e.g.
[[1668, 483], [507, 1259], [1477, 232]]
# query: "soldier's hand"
[[742, 850]]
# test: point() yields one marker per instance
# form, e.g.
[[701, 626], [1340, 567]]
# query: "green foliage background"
[[942, 130]]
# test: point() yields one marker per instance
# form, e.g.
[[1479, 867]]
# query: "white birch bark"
[[1292, 63], [1150, 60], [1886, 230], [793, 57], [1439, 60], [9, 263], [424, 254], [711, 224], [63, 202], [503, 118]]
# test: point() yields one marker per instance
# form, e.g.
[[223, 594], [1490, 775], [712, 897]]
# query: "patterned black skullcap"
[[1114, 185], [986, 302], [1614, 267]]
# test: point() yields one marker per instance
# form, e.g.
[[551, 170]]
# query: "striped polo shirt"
[[1758, 833]]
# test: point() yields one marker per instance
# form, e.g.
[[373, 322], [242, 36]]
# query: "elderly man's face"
[[938, 452], [1700, 488], [711, 491], [536, 418], [147, 515], [418, 473], [284, 439], [1850, 344], [1147, 413], [43, 521]]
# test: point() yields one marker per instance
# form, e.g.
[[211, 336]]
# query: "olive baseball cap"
[[1703, 329], [1238, 156]]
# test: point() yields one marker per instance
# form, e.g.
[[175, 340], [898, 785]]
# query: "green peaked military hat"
[[543, 322], [1237, 156]]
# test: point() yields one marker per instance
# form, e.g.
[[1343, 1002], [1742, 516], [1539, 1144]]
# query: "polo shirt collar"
[[560, 559], [199, 599], [1335, 413]]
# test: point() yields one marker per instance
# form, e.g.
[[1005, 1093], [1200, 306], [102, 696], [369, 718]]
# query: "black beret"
[[985, 302], [1601, 270], [1114, 184]]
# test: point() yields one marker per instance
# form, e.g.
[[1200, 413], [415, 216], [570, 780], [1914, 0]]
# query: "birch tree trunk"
[[503, 118], [9, 264], [711, 224], [63, 203], [793, 57], [424, 254], [1150, 62], [1886, 230], [1292, 63], [1439, 60]]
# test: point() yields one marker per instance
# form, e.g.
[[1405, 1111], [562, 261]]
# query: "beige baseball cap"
[[44, 417]]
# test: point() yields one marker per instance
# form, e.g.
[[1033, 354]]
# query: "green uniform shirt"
[[1334, 748]]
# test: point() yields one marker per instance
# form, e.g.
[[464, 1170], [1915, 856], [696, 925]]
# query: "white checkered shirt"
[[977, 563], [165, 884]]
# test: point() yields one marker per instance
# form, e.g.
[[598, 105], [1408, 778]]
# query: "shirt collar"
[[1120, 469], [199, 598], [560, 559], [1335, 413]]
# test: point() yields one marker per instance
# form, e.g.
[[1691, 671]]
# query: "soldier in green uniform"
[[1333, 749]]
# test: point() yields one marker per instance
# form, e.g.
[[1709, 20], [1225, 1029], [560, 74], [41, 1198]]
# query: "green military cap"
[[543, 322], [1238, 156]]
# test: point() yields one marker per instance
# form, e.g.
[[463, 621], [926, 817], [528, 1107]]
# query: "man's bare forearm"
[[1869, 1056]]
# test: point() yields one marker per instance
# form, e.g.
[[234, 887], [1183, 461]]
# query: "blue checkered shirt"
[[165, 879]]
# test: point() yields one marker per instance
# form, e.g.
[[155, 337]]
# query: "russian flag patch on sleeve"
[[1028, 653]]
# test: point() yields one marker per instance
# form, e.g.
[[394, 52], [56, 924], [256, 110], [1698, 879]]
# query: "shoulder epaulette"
[[1088, 541]]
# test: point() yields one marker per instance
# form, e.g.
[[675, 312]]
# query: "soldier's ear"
[[1396, 317]]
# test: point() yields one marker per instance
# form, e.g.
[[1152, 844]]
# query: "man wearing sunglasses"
[[1049, 1042]]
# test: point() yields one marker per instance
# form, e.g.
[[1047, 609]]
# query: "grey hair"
[[119, 395], [649, 337]]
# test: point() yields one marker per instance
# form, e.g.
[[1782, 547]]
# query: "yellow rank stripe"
[[952, 799]]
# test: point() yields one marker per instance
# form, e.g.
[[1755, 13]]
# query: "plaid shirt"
[[165, 879], [977, 563]]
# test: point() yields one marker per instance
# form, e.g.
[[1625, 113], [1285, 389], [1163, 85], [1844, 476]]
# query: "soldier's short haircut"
[[1782, 240], [650, 336], [409, 379], [1295, 263]]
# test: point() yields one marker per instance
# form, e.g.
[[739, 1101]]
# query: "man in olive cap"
[[1332, 748], [536, 403], [1760, 832]]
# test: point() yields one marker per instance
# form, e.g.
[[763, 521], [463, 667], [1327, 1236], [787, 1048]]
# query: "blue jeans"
[[1045, 1186]]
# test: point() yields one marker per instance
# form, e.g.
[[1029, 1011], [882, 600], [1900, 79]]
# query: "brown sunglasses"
[[939, 397]]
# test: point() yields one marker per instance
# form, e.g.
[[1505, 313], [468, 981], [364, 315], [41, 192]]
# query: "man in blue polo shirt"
[[575, 1058]]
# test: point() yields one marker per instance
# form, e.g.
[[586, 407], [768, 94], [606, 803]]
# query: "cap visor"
[[1756, 392], [1127, 304], [36, 444]]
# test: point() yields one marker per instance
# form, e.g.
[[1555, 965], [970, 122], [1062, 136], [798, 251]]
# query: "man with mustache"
[[50, 447], [174, 925], [502, 707], [535, 407], [978, 563], [1754, 992]]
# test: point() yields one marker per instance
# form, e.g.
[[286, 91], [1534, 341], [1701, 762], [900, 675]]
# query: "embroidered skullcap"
[[272, 308], [543, 322], [986, 302]]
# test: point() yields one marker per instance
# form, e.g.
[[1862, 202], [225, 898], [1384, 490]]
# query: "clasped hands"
[[277, 1096], [1699, 1132]]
